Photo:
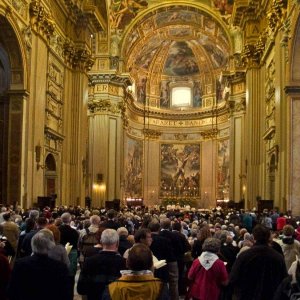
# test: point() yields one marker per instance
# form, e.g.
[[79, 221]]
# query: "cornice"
[[178, 115], [50, 133], [121, 80], [77, 57], [93, 14]]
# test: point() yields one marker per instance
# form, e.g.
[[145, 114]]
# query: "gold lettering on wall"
[[113, 90], [102, 88]]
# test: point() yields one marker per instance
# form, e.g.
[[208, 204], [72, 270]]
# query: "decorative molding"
[[122, 107], [77, 57], [292, 90], [286, 29], [40, 20], [210, 134], [269, 134], [21, 7], [27, 34], [110, 78], [235, 106], [181, 136], [114, 62], [151, 133], [50, 133], [105, 105]]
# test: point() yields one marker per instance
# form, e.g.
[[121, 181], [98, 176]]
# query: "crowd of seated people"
[[162, 253]]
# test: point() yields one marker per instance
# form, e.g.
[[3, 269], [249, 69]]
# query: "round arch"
[[13, 78]]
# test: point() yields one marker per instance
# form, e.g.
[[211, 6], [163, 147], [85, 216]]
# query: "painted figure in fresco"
[[197, 99], [122, 11], [141, 90], [224, 6], [164, 96]]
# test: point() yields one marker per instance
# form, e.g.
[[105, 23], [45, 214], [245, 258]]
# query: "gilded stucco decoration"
[[77, 57], [151, 133], [210, 133], [41, 20], [21, 7], [54, 104], [108, 106], [176, 45]]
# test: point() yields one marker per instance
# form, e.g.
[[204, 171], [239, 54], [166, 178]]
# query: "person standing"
[[39, 277], [11, 231], [138, 282], [69, 235], [102, 268], [207, 273], [258, 271]]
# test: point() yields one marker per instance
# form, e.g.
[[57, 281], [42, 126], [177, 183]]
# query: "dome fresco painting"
[[176, 45]]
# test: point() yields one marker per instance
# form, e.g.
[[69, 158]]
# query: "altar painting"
[[133, 168], [179, 170], [223, 170]]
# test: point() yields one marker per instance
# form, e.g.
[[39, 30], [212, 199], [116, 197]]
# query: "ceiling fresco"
[[175, 43], [181, 60]]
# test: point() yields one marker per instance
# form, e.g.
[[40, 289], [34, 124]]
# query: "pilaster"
[[254, 132], [107, 117]]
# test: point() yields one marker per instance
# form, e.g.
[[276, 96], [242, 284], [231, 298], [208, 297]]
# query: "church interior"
[[150, 102]]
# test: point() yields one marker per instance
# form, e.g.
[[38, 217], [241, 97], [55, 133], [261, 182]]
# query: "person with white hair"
[[38, 276], [124, 244], [102, 268], [69, 235]]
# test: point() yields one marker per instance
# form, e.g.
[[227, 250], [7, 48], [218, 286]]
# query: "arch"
[[50, 182], [11, 38], [12, 86], [50, 163]]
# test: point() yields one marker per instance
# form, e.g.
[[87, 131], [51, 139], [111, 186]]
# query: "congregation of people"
[[148, 253]]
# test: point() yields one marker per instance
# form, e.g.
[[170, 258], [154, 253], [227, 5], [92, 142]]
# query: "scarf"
[[207, 259]]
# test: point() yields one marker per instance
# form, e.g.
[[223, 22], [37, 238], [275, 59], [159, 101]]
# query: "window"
[[181, 96]]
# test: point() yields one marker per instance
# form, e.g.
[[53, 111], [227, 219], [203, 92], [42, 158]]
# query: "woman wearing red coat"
[[208, 273]]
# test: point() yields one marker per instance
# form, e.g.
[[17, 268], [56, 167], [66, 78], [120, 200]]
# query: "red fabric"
[[281, 222], [4, 276], [206, 285]]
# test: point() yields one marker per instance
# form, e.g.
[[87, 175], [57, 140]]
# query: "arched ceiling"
[[10, 55], [173, 44], [185, 40]]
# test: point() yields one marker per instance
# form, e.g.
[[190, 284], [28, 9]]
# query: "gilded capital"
[[151, 133], [210, 133], [105, 106]]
